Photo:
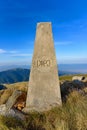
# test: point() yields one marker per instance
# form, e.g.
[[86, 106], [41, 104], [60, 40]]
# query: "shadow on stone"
[[69, 86]]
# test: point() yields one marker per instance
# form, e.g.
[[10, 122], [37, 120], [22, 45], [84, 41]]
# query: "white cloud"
[[2, 51], [8, 52], [21, 54], [13, 52]]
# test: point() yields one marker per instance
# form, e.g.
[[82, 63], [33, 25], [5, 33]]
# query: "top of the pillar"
[[43, 23]]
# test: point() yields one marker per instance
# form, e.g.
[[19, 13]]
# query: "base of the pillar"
[[42, 109]]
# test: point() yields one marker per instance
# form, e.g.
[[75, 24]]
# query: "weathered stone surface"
[[80, 78], [11, 112], [44, 88], [12, 99], [68, 86], [8, 108]]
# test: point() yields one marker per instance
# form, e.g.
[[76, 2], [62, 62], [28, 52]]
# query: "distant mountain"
[[19, 75], [61, 73], [8, 67], [66, 68], [14, 75], [73, 68]]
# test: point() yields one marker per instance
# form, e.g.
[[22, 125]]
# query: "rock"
[[12, 112], [8, 109], [16, 113], [85, 80], [66, 88], [2, 87], [78, 84], [12, 99], [80, 78], [69, 86]]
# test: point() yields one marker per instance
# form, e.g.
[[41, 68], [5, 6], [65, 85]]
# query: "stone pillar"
[[44, 89]]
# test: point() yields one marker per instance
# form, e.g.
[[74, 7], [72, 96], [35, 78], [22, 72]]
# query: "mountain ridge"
[[14, 75], [20, 74]]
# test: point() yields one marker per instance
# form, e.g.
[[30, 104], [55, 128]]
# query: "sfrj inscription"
[[41, 63]]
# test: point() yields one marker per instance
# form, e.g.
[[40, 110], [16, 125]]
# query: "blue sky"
[[18, 19]]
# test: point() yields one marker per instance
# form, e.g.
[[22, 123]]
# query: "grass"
[[9, 123], [5, 94], [71, 116], [69, 77], [19, 86]]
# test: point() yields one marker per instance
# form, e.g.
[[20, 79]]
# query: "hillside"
[[14, 75], [18, 75]]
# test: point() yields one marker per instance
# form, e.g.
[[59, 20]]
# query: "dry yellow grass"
[[5, 94], [69, 77], [71, 116], [19, 86], [9, 123], [85, 89]]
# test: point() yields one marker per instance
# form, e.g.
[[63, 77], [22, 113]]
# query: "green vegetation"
[[71, 116], [14, 75], [17, 75], [69, 77]]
